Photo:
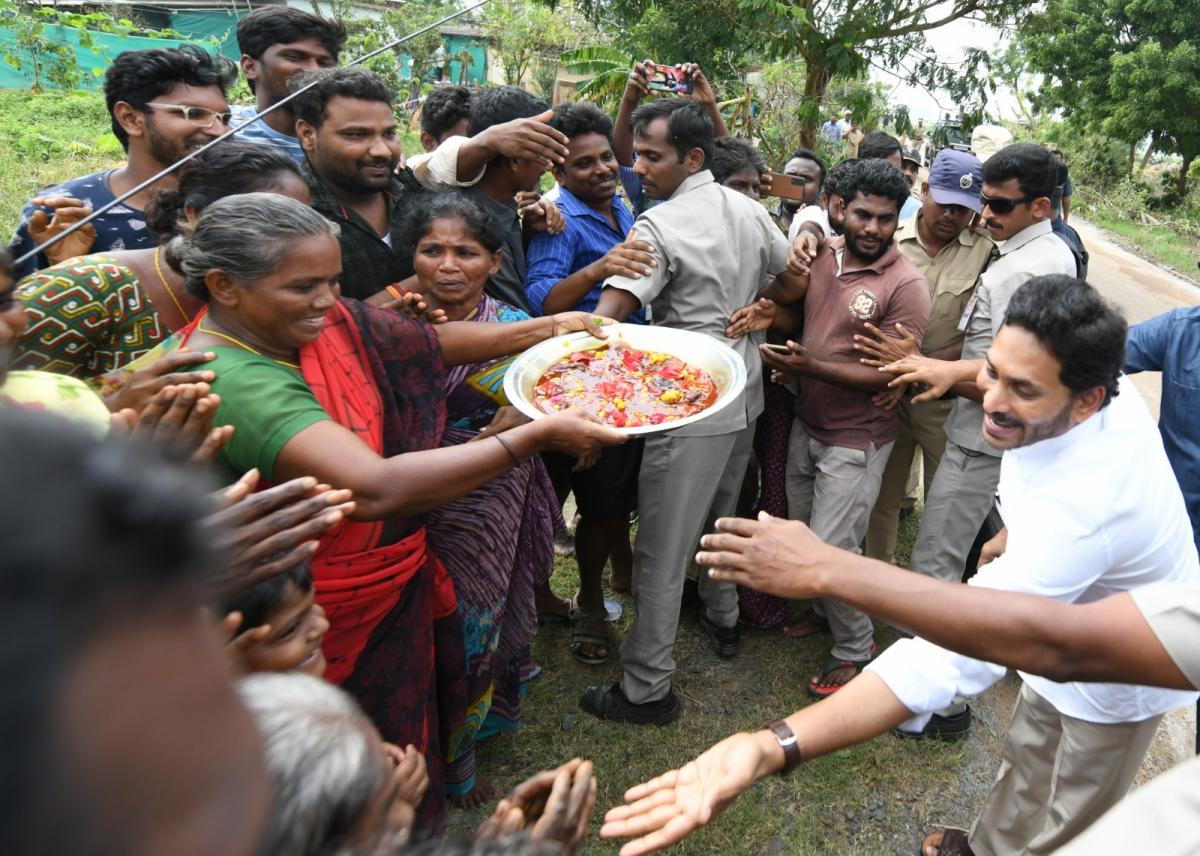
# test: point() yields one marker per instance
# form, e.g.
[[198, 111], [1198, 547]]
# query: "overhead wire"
[[159, 176]]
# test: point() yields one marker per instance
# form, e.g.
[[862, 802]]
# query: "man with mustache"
[[940, 242], [164, 103], [1018, 182], [716, 250], [1095, 519], [840, 439], [348, 132]]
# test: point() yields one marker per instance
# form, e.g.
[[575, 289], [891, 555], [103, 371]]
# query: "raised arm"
[[636, 88], [530, 139]]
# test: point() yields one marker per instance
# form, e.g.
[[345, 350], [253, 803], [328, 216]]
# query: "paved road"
[[1144, 290], [1138, 286]]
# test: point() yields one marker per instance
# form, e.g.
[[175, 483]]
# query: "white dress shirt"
[[1091, 513]]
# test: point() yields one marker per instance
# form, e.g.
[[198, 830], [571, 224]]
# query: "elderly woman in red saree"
[[319, 386], [497, 542]]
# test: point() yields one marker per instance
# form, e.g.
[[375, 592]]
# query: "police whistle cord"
[[75, 227]]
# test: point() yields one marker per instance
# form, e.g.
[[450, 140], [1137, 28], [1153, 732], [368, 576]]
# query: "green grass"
[[870, 799], [1161, 243], [50, 137]]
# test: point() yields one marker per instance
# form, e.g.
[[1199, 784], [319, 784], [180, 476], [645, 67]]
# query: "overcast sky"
[[949, 42]]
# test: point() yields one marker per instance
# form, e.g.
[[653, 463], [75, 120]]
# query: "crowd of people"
[[307, 660]]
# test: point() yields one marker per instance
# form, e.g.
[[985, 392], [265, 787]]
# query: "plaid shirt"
[[368, 264]]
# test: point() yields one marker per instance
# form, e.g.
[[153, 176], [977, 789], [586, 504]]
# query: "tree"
[[39, 45], [833, 38], [607, 69], [1127, 68], [527, 34]]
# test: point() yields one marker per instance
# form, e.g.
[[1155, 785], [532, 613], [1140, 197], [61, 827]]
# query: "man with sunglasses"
[[1018, 183], [164, 103], [940, 241]]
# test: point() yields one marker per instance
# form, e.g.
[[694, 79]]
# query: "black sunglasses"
[[1002, 204]]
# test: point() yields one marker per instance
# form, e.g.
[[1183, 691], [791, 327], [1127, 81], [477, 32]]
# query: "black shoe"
[[948, 729], [725, 641], [610, 703]]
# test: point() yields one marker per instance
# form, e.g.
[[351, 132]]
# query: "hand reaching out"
[[632, 258], [803, 250], [179, 420], [754, 318], [145, 383], [269, 532], [554, 805], [665, 810], [882, 349]]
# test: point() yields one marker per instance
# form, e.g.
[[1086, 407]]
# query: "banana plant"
[[606, 69]]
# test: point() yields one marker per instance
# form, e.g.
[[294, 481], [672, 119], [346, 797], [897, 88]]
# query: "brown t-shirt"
[[889, 291]]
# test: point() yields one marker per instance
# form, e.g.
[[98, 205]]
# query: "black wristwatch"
[[787, 742]]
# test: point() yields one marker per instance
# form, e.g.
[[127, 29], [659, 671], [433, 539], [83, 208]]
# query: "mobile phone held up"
[[787, 186], [668, 78]]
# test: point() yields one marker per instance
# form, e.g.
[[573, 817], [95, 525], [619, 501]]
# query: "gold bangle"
[[507, 448]]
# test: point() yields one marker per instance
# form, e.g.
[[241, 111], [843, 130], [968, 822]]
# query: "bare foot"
[[474, 798], [551, 606]]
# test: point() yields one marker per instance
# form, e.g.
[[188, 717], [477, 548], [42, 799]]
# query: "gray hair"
[[247, 236], [325, 763]]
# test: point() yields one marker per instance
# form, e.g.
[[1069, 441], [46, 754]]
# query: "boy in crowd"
[[565, 272], [276, 625], [278, 42]]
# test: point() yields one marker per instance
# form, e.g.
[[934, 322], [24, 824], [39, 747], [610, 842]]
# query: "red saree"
[[395, 638]]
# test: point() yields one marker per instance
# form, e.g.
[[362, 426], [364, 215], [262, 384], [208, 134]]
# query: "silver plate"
[[697, 349]]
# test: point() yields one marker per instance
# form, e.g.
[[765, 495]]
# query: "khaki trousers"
[[961, 495], [685, 483], [1057, 776], [921, 426], [833, 489]]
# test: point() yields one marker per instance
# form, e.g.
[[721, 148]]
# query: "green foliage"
[[1126, 68], [608, 68], [368, 34], [47, 138], [833, 39], [40, 46], [529, 38]]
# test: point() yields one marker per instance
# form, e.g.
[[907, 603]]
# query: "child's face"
[[294, 643]]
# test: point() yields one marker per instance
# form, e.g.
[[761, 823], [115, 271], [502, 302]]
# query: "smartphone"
[[779, 349], [668, 78], [787, 186]]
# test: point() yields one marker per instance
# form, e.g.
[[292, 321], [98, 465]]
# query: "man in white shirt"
[[1093, 510], [1018, 182]]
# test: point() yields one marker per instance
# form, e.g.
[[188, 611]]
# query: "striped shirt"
[[587, 237]]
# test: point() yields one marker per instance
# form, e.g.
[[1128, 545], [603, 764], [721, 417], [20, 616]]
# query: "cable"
[[74, 227]]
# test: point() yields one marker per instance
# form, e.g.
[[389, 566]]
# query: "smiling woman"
[[354, 396]]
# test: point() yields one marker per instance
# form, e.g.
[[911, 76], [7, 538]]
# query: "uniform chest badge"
[[863, 305]]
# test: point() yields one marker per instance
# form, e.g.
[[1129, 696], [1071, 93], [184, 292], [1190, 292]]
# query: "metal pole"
[[74, 227]]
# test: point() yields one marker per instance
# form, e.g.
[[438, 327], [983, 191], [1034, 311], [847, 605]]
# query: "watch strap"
[[788, 743]]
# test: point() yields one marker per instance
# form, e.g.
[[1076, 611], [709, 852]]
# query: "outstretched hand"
[[770, 554], [267, 533], [554, 805], [665, 810], [528, 139], [881, 349], [179, 420], [146, 383]]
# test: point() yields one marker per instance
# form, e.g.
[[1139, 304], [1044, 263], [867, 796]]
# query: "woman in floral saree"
[[497, 542]]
